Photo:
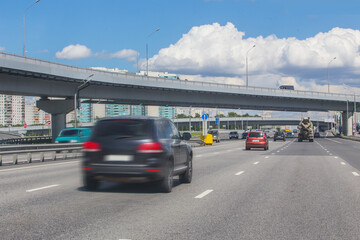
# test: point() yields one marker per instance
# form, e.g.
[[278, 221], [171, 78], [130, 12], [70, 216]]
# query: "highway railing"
[[12, 154], [27, 140]]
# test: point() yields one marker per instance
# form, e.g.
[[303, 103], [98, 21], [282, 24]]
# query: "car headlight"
[[73, 141]]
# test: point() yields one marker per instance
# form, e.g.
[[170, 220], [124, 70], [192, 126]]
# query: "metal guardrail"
[[27, 140], [27, 150]]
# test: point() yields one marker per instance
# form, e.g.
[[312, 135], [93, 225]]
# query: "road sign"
[[217, 120], [25, 125], [204, 117], [48, 122]]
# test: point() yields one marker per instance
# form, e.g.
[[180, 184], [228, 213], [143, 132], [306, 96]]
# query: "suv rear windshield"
[[69, 133], [122, 128], [256, 134]]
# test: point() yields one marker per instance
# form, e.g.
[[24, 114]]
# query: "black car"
[[279, 135], [244, 135], [137, 149], [317, 134], [234, 134]]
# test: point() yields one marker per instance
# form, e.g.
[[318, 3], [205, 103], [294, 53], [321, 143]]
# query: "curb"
[[350, 138]]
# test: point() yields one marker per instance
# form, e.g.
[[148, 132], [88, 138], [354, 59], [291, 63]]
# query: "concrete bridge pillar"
[[58, 110], [347, 119]]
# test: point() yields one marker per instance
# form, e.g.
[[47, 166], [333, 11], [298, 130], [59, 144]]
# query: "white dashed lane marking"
[[41, 188], [239, 173], [255, 163], [355, 174], [204, 193]]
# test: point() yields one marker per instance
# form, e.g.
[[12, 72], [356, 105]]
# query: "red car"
[[257, 139]]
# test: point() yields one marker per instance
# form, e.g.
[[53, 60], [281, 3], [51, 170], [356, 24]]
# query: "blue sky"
[[109, 26]]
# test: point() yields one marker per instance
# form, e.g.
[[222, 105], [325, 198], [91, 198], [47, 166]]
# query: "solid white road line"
[[45, 165], [41, 188], [342, 163], [237, 174], [204, 193], [355, 174], [255, 163]]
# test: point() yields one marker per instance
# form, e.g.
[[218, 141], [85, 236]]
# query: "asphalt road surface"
[[293, 191]]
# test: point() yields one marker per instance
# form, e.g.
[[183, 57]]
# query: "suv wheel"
[[90, 183], [166, 183], [187, 176]]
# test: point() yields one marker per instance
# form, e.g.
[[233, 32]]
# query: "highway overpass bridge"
[[33, 77], [185, 123]]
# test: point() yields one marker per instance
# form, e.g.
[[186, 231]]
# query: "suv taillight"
[[91, 146], [151, 147]]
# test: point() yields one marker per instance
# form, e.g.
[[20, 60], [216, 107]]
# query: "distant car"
[[244, 135], [73, 135], [267, 133], [279, 135], [256, 139], [317, 134], [138, 149], [215, 134], [295, 131], [287, 87], [234, 134], [289, 134]]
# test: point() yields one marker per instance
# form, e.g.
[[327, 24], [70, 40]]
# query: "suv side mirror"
[[186, 136]]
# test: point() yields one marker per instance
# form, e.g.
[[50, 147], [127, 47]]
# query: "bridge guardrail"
[[27, 140], [28, 150]]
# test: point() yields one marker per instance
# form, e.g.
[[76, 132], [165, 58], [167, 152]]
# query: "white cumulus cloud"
[[74, 52], [128, 54], [80, 51], [215, 50]]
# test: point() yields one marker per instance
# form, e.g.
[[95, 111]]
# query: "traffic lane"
[[346, 149], [165, 211], [51, 211], [223, 146], [291, 197], [17, 183], [18, 178], [281, 197]]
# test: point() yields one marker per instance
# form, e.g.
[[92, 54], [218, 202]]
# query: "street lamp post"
[[328, 73], [24, 24], [147, 50], [247, 70], [78, 89]]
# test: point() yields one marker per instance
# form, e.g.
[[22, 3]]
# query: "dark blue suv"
[[136, 149]]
